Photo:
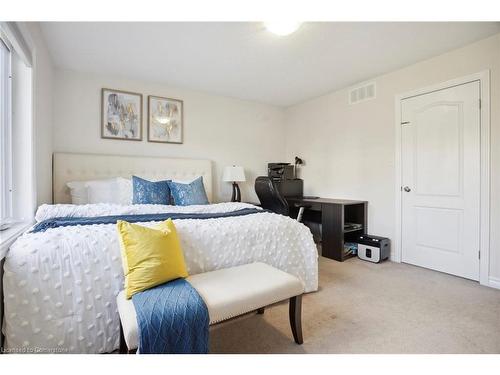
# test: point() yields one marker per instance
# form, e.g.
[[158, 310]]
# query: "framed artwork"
[[121, 113], [165, 120]]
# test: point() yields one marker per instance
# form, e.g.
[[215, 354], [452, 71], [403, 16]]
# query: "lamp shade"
[[233, 174]]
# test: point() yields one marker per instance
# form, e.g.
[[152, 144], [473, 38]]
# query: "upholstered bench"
[[229, 293]]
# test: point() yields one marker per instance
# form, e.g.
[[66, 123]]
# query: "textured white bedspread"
[[60, 286]]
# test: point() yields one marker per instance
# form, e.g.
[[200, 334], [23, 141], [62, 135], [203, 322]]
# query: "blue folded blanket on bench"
[[57, 222], [172, 319]]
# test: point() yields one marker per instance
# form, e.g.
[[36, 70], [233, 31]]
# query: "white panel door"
[[441, 180]]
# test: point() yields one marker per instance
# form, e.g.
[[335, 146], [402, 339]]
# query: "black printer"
[[283, 176], [280, 171]]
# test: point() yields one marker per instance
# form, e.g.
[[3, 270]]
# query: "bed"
[[60, 285]]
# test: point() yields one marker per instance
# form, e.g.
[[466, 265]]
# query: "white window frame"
[[20, 216], [6, 204]]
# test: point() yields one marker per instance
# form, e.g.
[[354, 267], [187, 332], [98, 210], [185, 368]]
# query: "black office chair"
[[271, 199]]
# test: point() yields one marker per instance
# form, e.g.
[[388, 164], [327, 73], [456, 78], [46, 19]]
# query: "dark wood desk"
[[333, 214]]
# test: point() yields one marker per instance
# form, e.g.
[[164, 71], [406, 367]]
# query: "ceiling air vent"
[[362, 93]]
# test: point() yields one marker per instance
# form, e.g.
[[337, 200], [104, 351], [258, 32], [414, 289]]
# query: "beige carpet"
[[375, 308]]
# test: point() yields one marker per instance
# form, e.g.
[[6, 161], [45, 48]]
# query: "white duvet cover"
[[60, 285]]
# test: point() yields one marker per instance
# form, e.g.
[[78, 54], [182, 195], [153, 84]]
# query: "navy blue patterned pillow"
[[188, 194], [148, 192]]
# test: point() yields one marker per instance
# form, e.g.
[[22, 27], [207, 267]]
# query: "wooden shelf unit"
[[333, 214]]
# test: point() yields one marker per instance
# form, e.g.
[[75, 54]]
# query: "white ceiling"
[[243, 60]]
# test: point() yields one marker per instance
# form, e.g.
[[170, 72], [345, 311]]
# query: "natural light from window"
[[5, 137], [17, 188]]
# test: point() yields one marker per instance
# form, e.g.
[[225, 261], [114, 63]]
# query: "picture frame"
[[165, 120], [121, 115]]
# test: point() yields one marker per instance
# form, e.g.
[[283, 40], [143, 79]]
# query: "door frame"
[[484, 221]]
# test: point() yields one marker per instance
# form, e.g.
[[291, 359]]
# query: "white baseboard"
[[494, 282]]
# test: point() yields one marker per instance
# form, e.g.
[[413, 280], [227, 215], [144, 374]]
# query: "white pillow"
[[78, 192], [102, 191], [113, 190], [125, 191]]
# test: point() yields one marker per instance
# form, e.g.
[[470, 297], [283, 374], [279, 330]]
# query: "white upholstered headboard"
[[79, 167]]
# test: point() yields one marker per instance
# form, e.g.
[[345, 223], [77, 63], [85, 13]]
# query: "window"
[[17, 194], [5, 136], [17, 181]]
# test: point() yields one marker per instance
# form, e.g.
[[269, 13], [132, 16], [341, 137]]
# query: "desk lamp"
[[298, 161], [234, 174]]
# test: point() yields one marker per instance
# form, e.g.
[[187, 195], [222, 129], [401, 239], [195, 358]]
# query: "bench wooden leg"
[[123, 344], [261, 310], [295, 310]]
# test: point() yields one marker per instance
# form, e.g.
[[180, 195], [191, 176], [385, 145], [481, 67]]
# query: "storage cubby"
[[333, 214]]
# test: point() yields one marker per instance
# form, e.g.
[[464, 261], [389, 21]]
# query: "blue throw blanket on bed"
[[172, 319], [57, 222]]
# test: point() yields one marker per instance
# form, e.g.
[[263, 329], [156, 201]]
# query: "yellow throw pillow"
[[151, 256]]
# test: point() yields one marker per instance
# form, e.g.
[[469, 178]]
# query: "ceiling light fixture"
[[282, 28]]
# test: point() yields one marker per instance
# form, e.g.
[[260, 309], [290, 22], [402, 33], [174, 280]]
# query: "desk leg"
[[332, 238]]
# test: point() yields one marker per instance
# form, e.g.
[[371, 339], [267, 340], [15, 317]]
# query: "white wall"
[[224, 130], [350, 149]]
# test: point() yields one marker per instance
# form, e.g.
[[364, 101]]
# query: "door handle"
[[407, 189]]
